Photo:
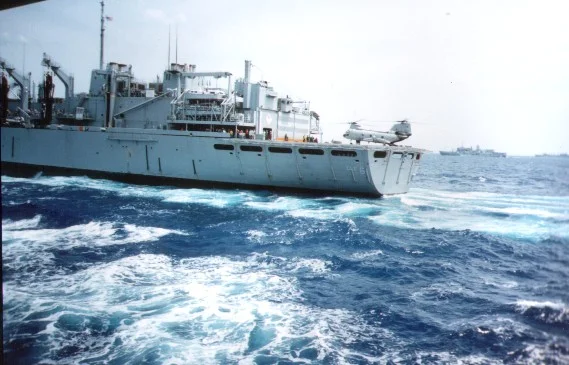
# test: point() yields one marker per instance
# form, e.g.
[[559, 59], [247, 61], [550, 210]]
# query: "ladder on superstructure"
[[228, 107]]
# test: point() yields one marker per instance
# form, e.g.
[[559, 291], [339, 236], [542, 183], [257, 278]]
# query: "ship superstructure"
[[193, 101]]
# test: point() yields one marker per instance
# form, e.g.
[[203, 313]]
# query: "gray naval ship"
[[469, 151], [187, 129], [190, 128]]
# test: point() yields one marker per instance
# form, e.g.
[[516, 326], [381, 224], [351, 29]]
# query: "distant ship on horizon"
[[553, 155], [469, 151]]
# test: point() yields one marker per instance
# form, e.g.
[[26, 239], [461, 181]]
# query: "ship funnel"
[[247, 70]]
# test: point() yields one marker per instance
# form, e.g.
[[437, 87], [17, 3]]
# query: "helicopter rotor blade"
[[354, 122], [404, 120]]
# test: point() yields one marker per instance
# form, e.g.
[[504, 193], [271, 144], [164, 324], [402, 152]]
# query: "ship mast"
[[102, 33]]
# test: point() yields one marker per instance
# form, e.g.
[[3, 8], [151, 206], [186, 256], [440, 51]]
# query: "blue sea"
[[471, 267]]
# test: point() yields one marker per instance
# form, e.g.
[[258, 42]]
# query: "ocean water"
[[471, 266]]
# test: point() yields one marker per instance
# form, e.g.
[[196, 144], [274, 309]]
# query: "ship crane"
[[66, 79], [22, 81]]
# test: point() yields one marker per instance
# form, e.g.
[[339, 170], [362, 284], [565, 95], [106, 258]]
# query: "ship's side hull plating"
[[148, 155]]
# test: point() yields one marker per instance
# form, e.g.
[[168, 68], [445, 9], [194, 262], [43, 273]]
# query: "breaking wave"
[[527, 217]]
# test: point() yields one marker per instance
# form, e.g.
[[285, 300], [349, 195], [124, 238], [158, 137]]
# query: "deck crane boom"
[[67, 80], [22, 80]]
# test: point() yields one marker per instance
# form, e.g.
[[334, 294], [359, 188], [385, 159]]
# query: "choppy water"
[[471, 266]]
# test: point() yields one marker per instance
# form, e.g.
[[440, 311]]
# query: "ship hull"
[[32, 171], [181, 158]]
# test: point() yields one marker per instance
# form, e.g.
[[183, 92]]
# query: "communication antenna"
[[176, 43], [262, 72], [24, 61], [168, 66], [102, 33]]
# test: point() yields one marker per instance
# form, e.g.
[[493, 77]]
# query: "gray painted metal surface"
[[179, 155]]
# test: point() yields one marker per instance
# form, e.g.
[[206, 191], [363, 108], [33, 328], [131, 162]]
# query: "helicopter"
[[399, 131]]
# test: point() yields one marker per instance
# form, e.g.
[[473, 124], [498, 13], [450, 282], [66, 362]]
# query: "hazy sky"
[[493, 73]]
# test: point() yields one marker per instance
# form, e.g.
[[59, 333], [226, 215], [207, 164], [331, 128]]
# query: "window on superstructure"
[[280, 149], [380, 154], [344, 153], [225, 147], [310, 151], [251, 148], [397, 155]]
